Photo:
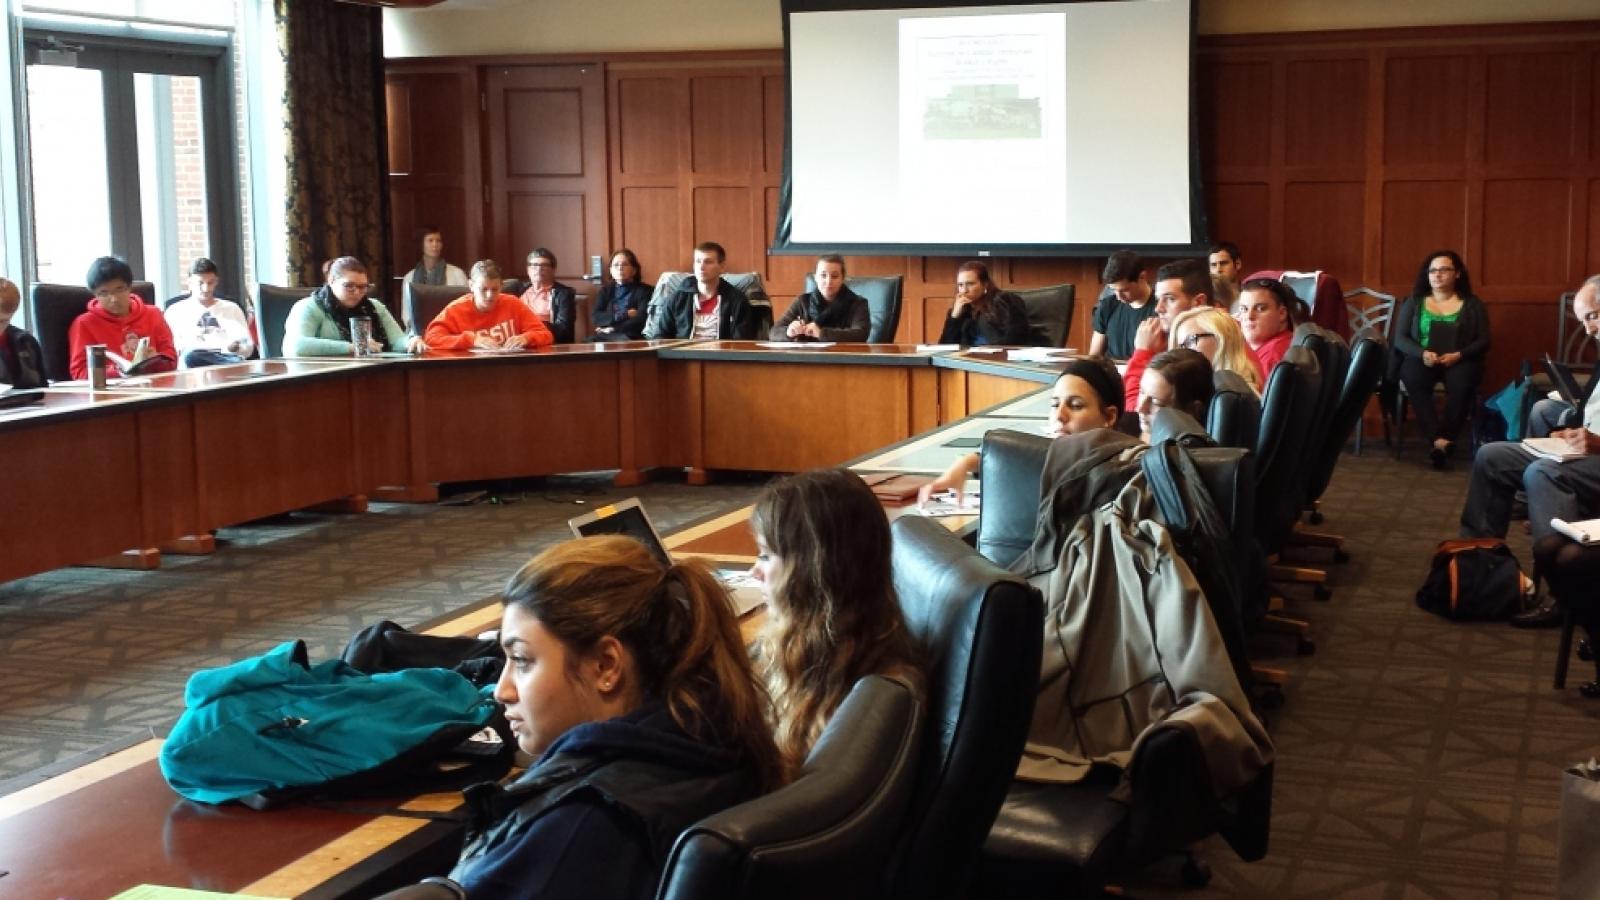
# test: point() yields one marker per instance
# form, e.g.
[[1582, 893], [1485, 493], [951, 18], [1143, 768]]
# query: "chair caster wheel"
[[1322, 593], [1340, 555], [1585, 651], [1305, 647], [1590, 689], [1196, 873], [1316, 517]]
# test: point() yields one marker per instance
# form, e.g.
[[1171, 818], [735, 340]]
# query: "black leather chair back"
[[1010, 467], [981, 631], [1234, 417], [52, 308], [272, 314], [827, 833], [1050, 312], [1361, 380], [1288, 408], [420, 303], [513, 286], [882, 293]]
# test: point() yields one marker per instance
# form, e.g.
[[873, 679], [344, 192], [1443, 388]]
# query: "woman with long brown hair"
[[832, 617], [628, 682], [984, 314]]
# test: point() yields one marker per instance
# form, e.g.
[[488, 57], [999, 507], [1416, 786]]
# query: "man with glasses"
[[134, 333], [553, 302], [1568, 490], [1180, 286]]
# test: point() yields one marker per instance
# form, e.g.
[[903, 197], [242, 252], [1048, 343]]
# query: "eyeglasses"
[[352, 286], [1189, 342], [1441, 271]]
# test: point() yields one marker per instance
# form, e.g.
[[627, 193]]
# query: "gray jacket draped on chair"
[[1130, 642]]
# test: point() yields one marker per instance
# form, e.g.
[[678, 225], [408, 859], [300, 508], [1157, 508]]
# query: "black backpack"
[[1473, 579]]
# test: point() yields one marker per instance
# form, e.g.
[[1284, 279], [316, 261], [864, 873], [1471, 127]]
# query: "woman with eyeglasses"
[[1441, 334], [1214, 334]]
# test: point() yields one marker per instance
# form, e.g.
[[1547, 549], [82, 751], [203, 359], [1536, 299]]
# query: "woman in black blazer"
[[984, 314], [1441, 333]]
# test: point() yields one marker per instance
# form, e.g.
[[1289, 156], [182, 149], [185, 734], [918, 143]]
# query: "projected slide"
[[982, 94], [1000, 128]]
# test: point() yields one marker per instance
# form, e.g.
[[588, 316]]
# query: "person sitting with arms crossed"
[[832, 312], [553, 302], [208, 330], [823, 551], [705, 308], [319, 324], [1441, 333], [1210, 331], [983, 314], [1086, 395], [621, 303], [1123, 305], [1556, 490], [1180, 287], [629, 684], [432, 269], [122, 322], [1265, 315], [486, 319], [21, 357]]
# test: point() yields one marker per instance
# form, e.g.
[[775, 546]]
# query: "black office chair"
[[52, 308], [272, 314], [827, 833], [882, 293], [981, 631], [1050, 312], [1360, 381], [1234, 417], [421, 303]]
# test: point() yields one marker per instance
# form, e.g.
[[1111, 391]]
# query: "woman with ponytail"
[[823, 549], [629, 684]]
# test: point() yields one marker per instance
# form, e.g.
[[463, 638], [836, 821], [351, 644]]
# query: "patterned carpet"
[[1417, 758]]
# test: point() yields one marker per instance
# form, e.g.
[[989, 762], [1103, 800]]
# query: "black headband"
[[1094, 372]]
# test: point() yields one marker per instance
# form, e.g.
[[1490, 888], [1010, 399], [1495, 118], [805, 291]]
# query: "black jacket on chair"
[[29, 371]]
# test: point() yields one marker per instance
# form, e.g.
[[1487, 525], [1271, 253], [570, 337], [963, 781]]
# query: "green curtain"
[[335, 127]]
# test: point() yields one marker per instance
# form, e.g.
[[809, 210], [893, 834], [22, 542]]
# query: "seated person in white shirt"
[[208, 330], [706, 307], [432, 268]]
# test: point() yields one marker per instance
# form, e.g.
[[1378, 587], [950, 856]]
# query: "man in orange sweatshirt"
[[119, 320], [486, 319]]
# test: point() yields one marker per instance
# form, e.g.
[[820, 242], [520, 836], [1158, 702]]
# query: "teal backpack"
[[273, 727]]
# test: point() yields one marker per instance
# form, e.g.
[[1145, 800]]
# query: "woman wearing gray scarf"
[[432, 269]]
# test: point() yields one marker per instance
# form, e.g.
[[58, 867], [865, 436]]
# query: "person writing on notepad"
[[831, 312], [1568, 490], [1442, 333], [486, 319]]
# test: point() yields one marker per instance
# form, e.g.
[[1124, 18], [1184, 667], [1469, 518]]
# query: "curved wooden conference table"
[[157, 459], [194, 450]]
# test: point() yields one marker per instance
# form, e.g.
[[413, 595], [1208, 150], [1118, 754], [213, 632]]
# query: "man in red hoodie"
[[486, 319], [120, 320]]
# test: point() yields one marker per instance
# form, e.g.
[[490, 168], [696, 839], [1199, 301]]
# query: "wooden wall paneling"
[[726, 123], [724, 213], [1324, 117], [1419, 217], [1240, 213], [647, 223], [1592, 257], [1233, 95], [545, 128], [1529, 106], [1526, 224], [434, 150], [1425, 108], [1322, 228]]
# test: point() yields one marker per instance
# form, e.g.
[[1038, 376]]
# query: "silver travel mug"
[[95, 354]]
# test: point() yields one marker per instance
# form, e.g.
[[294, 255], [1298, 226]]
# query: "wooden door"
[[435, 177], [546, 128]]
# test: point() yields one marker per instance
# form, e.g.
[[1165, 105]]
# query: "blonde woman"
[[823, 547], [1211, 331]]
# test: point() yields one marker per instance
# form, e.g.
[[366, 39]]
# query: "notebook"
[[1443, 337], [1586, 532], [627, 517], [1551, 448]]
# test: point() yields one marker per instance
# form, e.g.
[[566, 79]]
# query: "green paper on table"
[[159, 892]]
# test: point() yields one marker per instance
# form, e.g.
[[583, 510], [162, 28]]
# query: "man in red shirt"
[[1264, 316], [120, 320], [1180, 286], [486, 319]]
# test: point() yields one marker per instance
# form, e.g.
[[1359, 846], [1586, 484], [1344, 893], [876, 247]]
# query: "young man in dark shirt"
[[1125, 302]]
